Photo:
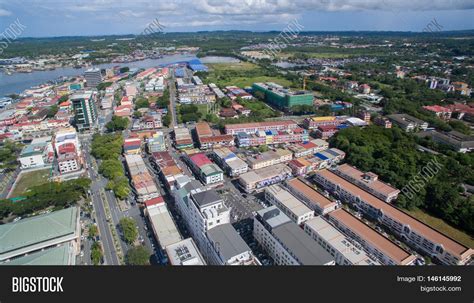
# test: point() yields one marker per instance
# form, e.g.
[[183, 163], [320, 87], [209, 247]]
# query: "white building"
[[226, 247], [296, 210], [201, 210], [345, 250], [184, 252], [230, 162], [285, 241], [93, 77]]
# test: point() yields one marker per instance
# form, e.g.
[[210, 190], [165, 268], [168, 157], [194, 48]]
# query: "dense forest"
[[393, 155]]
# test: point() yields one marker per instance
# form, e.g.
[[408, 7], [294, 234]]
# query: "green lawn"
[[443, 227], [227, 74], [30, 179]]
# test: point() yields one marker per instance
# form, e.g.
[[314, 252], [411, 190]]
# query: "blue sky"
[[97, 17]]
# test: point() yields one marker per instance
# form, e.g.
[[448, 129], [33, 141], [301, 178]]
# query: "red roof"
[[154, 201], [67, 148], [307, 145], [326, 128], [436, 108], [200, 159]]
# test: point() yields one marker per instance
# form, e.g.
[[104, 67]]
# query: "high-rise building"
[[93, 77], [85, 110]]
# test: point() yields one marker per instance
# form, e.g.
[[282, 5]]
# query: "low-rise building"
[[296, 210], [285, 241], [252, 128], [184, 252], [258, 179], [36, 155], [182, 138], [378, 246], [230, 162], [367, 181], [315, 122], [43, 232], [312, 198], [226, 247], [345, 250], [206, 171], [413, 232], [457, 141], [408, 123], [209, 139], [308, 148], [270, 158]]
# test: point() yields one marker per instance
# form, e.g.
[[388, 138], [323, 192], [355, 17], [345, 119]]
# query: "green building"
[[85, 110], [280, 97]]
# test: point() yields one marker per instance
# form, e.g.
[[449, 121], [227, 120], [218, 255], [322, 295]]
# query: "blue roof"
[[179, 72], [321, 156], [341, 126], [332, 152]]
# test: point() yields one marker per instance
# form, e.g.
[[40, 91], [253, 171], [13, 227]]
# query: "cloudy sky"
[[97, 17]]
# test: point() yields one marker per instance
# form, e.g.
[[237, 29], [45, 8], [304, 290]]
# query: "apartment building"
[[312, 198], [296, 210], [368, 182], [285, 241], [378, 246], [184, 253], [345, 250], [415, 233], [209, 139]]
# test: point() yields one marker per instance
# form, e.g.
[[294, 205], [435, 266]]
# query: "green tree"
[[93, 231], [117, 123], [129, 229], [96, 253], [138, 255]]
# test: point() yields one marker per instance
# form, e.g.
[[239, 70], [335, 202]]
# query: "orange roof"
[[310, 194], [449, 244], [381, 243]]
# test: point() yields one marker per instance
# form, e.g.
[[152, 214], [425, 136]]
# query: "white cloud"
[[4, 12]]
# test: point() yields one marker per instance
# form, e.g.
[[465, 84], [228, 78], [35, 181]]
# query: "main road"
[[172, 86], [110, 254]]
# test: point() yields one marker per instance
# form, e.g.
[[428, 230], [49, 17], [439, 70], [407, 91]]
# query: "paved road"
[[110, 255], [172, 87]]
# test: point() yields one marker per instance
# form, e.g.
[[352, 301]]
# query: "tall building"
[[93, 77], [85, 110]]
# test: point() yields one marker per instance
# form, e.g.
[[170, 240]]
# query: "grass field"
[[30, 179], [443, 227], [227, 74]]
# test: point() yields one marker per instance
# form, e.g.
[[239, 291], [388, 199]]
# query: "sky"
[[46, 18]]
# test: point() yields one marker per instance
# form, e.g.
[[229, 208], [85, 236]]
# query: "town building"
[[441, 112], [230, 162], [142, 181], [296, 210], [271, 137], [182, 138], [257, 179], [312, 198], [308, 148], [93, 77], [252, 128], [184, 252], [408, 123], [345, 250], [38, 153], [415, 233], [269, 158], [226, 247], [85, 110], [315, 122], [162, 224], [367, 181], [39, 233], [205, 170], [281, 97], [285, 241], [457, 141], [375, 244], [209, 139]]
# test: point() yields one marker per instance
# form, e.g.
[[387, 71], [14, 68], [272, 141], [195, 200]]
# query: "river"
[[18, 82]]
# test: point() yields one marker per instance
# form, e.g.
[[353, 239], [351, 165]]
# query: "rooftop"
[[184, 252], [309, 193], [206, 198], [449, 244], [229, 242]]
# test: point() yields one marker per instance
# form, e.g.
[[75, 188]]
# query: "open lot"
[[240, 74], [30, 179], [443, 227]]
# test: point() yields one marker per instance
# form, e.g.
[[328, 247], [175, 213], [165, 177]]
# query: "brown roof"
[[203, 129], [449, 244], [216, 138], [312, 195], [382, 244], [376, 185]]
